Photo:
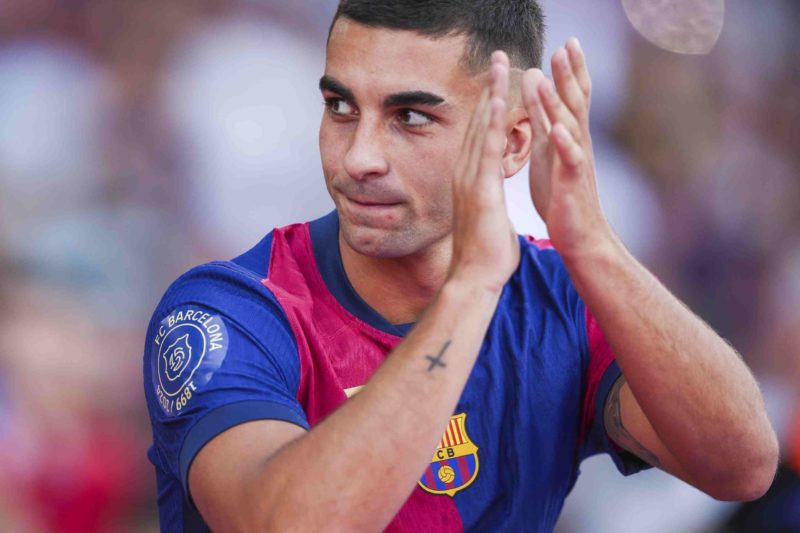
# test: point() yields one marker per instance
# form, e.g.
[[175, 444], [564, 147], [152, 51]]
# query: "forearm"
[[357, 468], [694, 389]]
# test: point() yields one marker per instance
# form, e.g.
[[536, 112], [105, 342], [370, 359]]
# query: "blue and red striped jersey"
[[279, 333]]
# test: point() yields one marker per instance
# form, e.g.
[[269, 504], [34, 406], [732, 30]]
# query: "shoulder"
[[206, 310], [540, 254], [228, 287], [221, 300], [221, 286], [542, 269], [217, 320]]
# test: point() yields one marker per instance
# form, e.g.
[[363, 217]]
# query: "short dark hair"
[[515, 26]]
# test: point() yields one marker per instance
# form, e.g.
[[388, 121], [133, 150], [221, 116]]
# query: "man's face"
[[397, 107]]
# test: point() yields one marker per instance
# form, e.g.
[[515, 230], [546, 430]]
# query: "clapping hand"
[[485, 247], [562, 175]]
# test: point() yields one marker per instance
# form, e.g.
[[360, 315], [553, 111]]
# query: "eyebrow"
[[331, 84], [409, 98], [401, 99]]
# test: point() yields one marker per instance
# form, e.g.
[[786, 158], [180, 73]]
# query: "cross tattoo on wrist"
[[437, 361]]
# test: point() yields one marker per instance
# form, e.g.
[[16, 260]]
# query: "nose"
[[365, 159]]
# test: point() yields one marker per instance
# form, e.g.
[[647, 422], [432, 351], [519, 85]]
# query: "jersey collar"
[[325, 242]]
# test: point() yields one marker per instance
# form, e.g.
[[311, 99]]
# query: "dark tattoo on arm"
[[616, 429], [437, 361]]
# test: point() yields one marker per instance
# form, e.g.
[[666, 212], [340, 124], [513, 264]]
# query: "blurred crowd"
[[139, 138]]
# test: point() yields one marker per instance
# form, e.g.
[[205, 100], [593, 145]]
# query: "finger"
[[483, 116], [568, 150], [540, 124], [492, 157], [474, 121], [556, 111], [468, 145], [578, 62], [500, 76], [567, 85], [494, 144]]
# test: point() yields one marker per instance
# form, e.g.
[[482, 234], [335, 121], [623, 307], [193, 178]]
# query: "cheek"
[[332, 144], [433, 169], [325, 147]]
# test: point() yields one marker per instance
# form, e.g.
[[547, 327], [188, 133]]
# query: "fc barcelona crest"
[[455, 464]]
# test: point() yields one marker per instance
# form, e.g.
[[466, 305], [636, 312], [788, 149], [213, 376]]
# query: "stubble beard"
[[403, 241]]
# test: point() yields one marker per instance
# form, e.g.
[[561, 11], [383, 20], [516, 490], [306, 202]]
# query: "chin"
[[398, 233], [386, 244], [381, 242]]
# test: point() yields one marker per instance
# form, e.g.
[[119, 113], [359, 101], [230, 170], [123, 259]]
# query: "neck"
[[398, 288]]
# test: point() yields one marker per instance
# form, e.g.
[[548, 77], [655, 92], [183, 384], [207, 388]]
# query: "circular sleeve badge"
[[188, 348]]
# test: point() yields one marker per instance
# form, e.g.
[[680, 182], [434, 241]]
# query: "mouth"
[[370, 212], [370, 203]]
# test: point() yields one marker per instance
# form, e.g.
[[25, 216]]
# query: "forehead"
[[382, 61]]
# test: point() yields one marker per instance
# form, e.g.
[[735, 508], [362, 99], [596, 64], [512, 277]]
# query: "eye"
[[338, 106], [414, 119]]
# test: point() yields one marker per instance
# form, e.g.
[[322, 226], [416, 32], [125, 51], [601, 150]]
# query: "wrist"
[[598, 262], [485, 279], [461, 287], [595, 246]]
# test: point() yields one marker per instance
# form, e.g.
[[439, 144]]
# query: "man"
[[288, 389]]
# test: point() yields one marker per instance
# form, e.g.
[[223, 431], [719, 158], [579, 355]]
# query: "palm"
[[553, 194], [540, 182], [484, 244]]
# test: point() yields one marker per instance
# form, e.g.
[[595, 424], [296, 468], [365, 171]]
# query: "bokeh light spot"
[[680, 26]]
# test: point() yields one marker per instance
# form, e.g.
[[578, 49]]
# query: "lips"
[[371, 212], [366, 202], [361, 200]]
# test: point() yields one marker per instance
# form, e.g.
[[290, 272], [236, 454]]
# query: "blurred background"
[[139, 138]]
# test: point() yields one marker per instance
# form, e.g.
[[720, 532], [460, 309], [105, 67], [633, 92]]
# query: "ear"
[[518, 141]]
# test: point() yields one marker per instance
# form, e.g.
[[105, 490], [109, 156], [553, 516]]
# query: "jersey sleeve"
[[219, 352], [601, 373]]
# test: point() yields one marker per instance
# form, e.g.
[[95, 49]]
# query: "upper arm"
[[603, 380], [619, 426], [628, 427], [224, 474]]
